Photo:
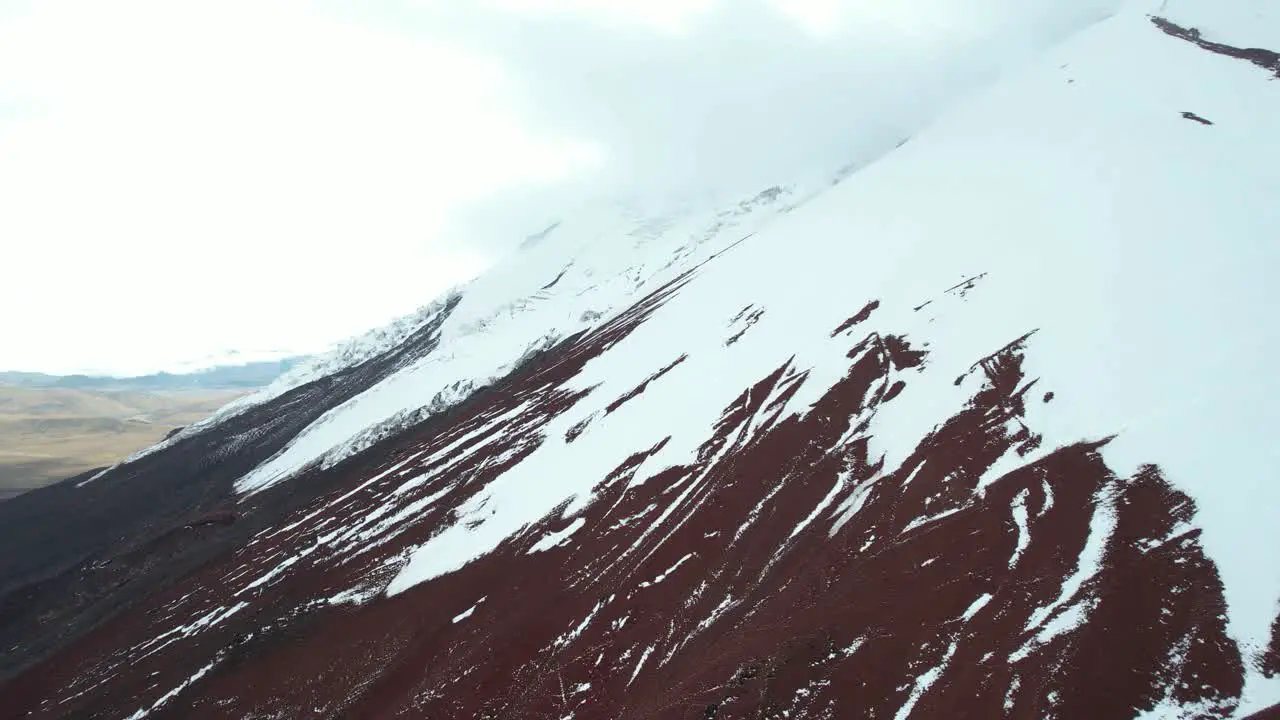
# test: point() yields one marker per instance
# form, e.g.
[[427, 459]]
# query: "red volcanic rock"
[[1263, 58], [641, 387], [708, 590], [1271, 659], [859, 317], [1271, 713]]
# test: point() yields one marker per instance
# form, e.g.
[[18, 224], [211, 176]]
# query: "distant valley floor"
[[48, 434]]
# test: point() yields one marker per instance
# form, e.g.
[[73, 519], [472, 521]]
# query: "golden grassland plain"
[[48, 434]]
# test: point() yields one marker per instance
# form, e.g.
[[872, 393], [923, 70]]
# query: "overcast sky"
[[180, 178]]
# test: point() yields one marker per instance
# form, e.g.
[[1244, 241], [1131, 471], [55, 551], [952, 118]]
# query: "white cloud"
[[670, 16], [739, 94], [155, 155], [179, 178]]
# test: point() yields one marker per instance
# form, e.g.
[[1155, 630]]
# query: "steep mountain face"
[[980, 430]]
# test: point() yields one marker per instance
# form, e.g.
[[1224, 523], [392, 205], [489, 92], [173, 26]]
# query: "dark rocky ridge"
[[1263, 58]]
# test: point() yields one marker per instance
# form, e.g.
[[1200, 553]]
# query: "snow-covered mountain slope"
[[583, 271], [567, 278], [981, 430]]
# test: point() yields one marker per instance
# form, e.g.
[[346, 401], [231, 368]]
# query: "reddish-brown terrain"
[[785, 574]]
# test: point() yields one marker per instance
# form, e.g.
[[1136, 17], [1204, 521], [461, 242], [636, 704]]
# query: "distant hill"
[[247, 376], [56, 426], [51, 433]]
